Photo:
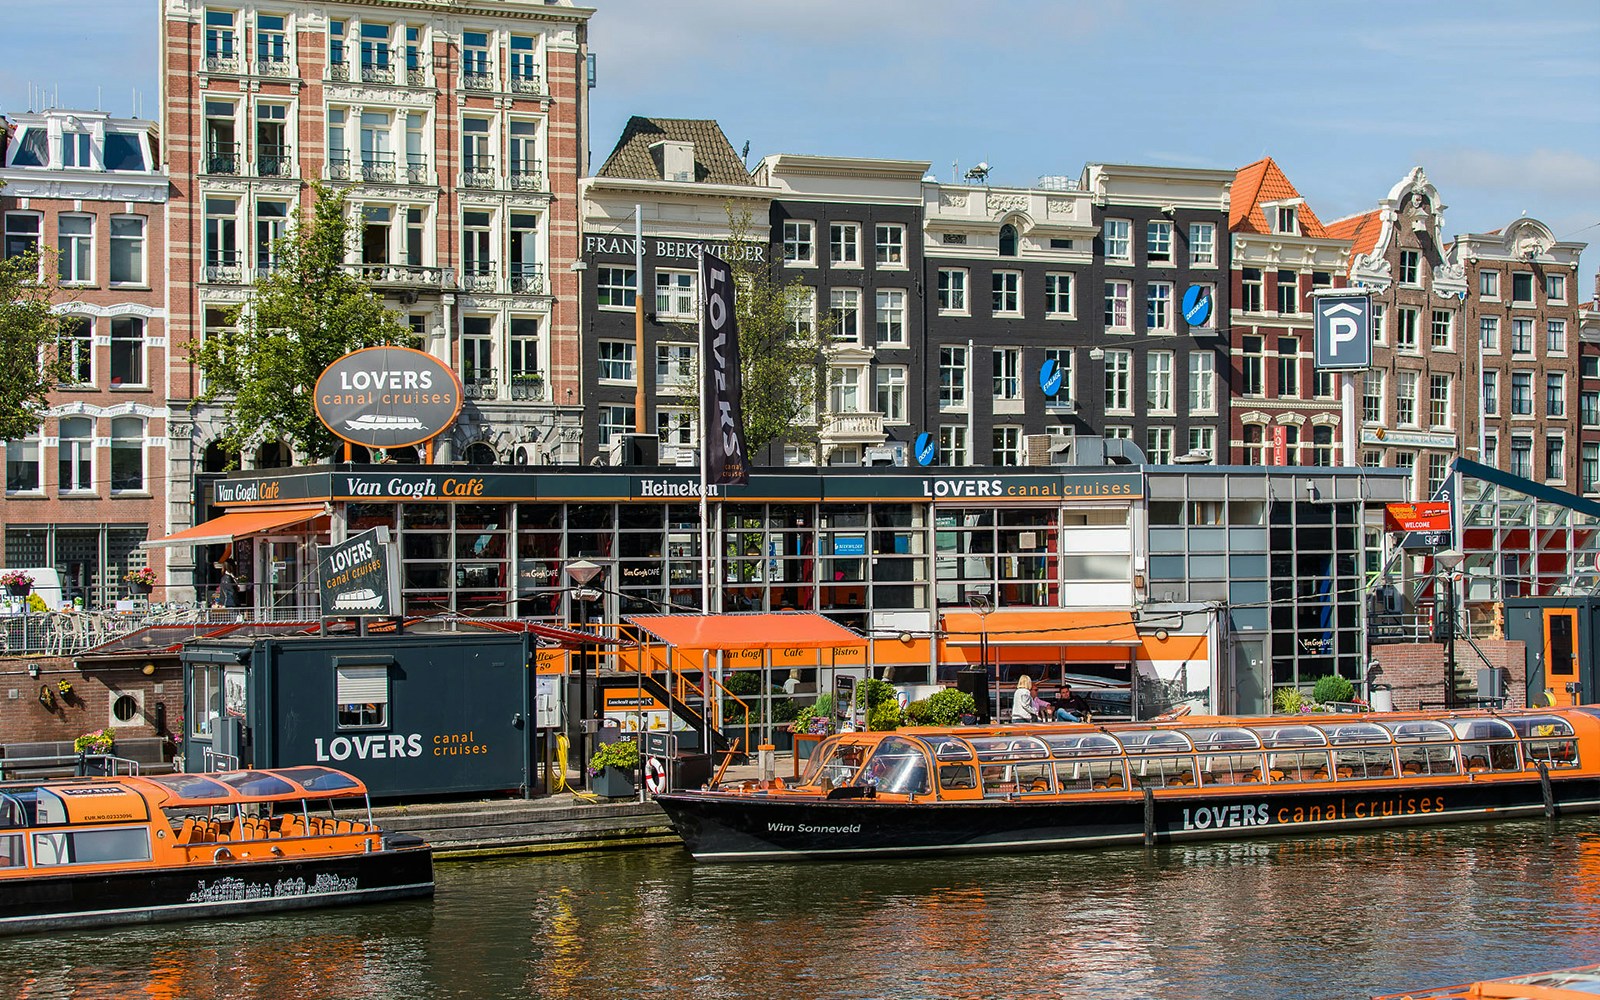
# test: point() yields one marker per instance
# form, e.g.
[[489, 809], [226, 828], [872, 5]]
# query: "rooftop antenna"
[[979, 173], [955, 167]]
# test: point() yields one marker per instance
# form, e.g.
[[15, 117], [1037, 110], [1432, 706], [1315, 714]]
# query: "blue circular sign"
[[927, 448], [1197, 305], [1050, 377]]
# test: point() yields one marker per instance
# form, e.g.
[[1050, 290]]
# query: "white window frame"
[[1555, 289], [889, 317], [1445, 331], [1159, 307], [1489, 332], [675, 366], [1202, 382], [889, 385], [83, 458], [953, 395], [678, 289], [1489, 386], [1555, 337], [1489, 285], [140, 242], [890, 253], [1119, 381], [615, 362], [1007, 372], [1066, 364], [1158, 366], [1119, 293], [143, 485], [1441, 398], [1408, 331], [954, 283], [1158, 445], [1005, 446], [844, 244], [1405, 396], [1006, 293], [613, 282], [1158, 242], [1117, 239], [1410, 270], [82, 249], [799, 235], [1202, 244], [844, 307], [1058, 292]]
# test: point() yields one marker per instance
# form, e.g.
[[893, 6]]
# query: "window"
[[1203, 441], [1158, 242], [527, 275], [1008, 240], [844, 390], [524, 64], [362, 694], [1555, 336], [1202, 382], [1491, 449], [1322, 445], [952, 445], [1007, 293], [127, 351], [797, 248], [1202, 244], [220, 38], [844, 306], [1058, 296], [1405, 409], [1007, 373], [889, 393], [75, 455], [127, 454], [1372, 395], [1407, 460], [76, 150], [615, 286], [890, 314], [1439, 400], [1250, 286], [1438, 468], [1159, 381], [952, 377], [1489, 333], [1555, 287], [76, 347], [844, 242], [1522, 394], [1380, 333], [1288, 368], [674, 366], [1405, 338], [675, 294], [616, 361], [675, 426], [1555, 457], [1322, 384], [524, 357], [1063, 357], [33, 147], [1442, 330], [222, 241], [75, 240], [476, 156], [1158, 445], [417, 146], [477, 351], [615, 420], [1288, 293], [1119, 381], [336, 37], [127, 250], [801, 306], [22, 234], [1590, 365], [221, 145], [477, 254], [1589, 408], [526, 174], [1252, 364], [953, 290], [1285, 221], [1522, 336], [272, 40], [1118, 294], [272, 224], [1589, 475], [24, 466], [476, 73], [1491, 392], [889, 244], [1410, 267], [1521, 288], [1521, 456], [1117, 233], [1158, 307], [1007, 446], [1555, 395], [1489, 284]]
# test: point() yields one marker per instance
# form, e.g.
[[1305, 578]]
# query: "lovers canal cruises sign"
[[387, 397]]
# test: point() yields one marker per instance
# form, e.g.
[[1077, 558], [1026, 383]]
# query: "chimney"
[[676, 157]]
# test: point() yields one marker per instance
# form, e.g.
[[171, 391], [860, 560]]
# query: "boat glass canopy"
[[1155, 741], [1355, 734], [1275, 737], [1083, 745], [1541, 725], [1418, 731], [1217, 740]]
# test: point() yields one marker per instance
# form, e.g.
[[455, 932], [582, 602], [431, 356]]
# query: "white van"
[[46, 583]]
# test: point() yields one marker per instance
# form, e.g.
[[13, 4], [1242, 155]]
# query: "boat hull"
[[228, 888], [751, 827]]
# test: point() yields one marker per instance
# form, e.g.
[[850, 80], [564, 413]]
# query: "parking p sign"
[[1343, 332]]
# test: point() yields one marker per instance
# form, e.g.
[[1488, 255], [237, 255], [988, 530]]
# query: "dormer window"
[[1288, 220], [1008, 240], [124, 151], [75, 149], [33, 148]]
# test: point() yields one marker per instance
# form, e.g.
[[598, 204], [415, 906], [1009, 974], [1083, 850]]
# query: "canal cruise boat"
[[1582, 983], [87, 852], [1062, 785]]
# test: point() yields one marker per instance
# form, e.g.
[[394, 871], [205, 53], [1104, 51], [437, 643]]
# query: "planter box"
[[613, 783]]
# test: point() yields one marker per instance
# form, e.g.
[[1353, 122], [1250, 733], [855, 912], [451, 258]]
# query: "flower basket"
[[141, 581], [99, 741], [16, 582]]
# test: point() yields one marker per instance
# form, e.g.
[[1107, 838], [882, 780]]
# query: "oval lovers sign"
[[388, 397]]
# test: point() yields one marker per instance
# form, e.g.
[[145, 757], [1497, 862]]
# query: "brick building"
[[83, 189]]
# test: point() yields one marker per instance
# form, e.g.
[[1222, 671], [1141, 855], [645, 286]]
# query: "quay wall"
[[1415, 671]]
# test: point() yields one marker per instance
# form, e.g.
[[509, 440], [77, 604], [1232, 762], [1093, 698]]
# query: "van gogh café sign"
[[440, 484]]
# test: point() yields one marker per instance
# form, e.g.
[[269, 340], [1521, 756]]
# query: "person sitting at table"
[[1070, 707], [1022, 709]]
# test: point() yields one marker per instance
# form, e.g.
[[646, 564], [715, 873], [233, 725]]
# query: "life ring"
[[655, 775]]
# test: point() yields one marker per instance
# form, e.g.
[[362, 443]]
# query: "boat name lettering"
[[812, 828], [342, 559], [1344, 809], [374, 747], [228, 889], [1217, 817]]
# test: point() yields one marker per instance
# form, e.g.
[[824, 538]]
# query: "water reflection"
[[1341, 917]]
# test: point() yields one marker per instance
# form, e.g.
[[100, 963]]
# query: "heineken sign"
[[387, 397], [354, 576]]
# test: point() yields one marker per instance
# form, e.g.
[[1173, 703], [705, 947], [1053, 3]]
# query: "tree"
[[29, 345], [308, 311]]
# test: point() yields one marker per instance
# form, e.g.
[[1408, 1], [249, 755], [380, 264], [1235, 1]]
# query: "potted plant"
[[98, 741], [141, 581], [611, 769], [812, 720], [65, 687], [17, 582]]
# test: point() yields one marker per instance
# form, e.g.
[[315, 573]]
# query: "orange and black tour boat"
[[1053, 786], [85, 852]]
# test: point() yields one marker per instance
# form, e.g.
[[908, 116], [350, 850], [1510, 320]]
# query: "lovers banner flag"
[[723, 450]]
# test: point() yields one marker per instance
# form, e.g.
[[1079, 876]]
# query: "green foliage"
[[878, 692], [622, 754], [303, 315], [98, 741], [945, 708], [743, 682], [816, 717], [785, 710], [36, 604], [1287, 701], [29, 333], [1333, 688], [884, 716]]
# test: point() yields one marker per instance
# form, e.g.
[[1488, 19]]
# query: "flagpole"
[[705, 368]]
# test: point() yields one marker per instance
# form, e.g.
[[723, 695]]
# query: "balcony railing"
[[527, 175], [527, 279], [480, 278], [221, 158], [527, 385], [412, 276], [480, 384], [277, 65], [852, 426], [231, 63], [477, 81], [479, 172], [377, 168], [339, 72], [224, 268], [527, 83], [418, 172], [377, 71], [274, 161], [339, 169]]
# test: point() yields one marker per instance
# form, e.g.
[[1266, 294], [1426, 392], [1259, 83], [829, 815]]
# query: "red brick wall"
[[24, 720], [1415, 671]]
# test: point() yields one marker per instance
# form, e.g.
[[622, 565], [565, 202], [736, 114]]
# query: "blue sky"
[[1499, 102]]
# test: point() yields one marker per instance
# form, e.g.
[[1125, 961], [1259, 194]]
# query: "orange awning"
[[781, 630], [237, 524], [1040, 627]]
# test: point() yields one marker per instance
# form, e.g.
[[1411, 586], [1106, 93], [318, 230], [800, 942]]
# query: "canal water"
[[1274, 918]]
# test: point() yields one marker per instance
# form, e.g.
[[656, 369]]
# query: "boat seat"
[[1249, 777], [186, 831], [1320, 774], [1346, 772]]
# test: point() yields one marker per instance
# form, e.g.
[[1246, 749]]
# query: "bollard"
[[765, 753], [1149, 816]]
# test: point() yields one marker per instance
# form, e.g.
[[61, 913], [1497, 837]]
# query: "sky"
[[1498, 102]]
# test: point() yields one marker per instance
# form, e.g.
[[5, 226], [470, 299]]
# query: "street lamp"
[[582, 573], [1448, 560], [981, 606]]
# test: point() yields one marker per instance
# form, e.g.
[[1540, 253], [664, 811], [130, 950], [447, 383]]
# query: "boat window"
[[1426, 758], [953, 777], [1540, 725], [1555, 753], [258, 784], [1355, 733], [1418, 730], [11, 851], [86, 847], [12, 812], [1292, 736], [1483, 729], [1230, 768], [948, 747], [1082, 745], [1365, 762], [320, 779], [1298, 765], [1009, 748], [898, 766], [1027, 778], [836, 765], [1224, 739], [1161, 772], [49, 810], [1480, 757], [1090, 775], [1154, 741], [194, 787]]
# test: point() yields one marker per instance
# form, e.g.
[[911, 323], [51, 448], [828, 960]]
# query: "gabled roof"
[[715, 162], [1263, 182], [1361, 230]]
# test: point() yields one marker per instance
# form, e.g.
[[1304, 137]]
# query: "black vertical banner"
[[724, 447]]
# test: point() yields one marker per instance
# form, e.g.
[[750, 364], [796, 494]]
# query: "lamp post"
[[1449, 560], [981, 606], [582, 573]]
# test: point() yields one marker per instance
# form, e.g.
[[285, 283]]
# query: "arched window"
[[76, 455], [127, 454], [274, 455], [1008, 240], [481, 453], [219, 459]]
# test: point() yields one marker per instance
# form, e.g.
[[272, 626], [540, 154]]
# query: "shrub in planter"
[[946, 708], [884, 716], [1333, 688], [98, 741], [623, 755], [1287, 701], [785, 711]]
